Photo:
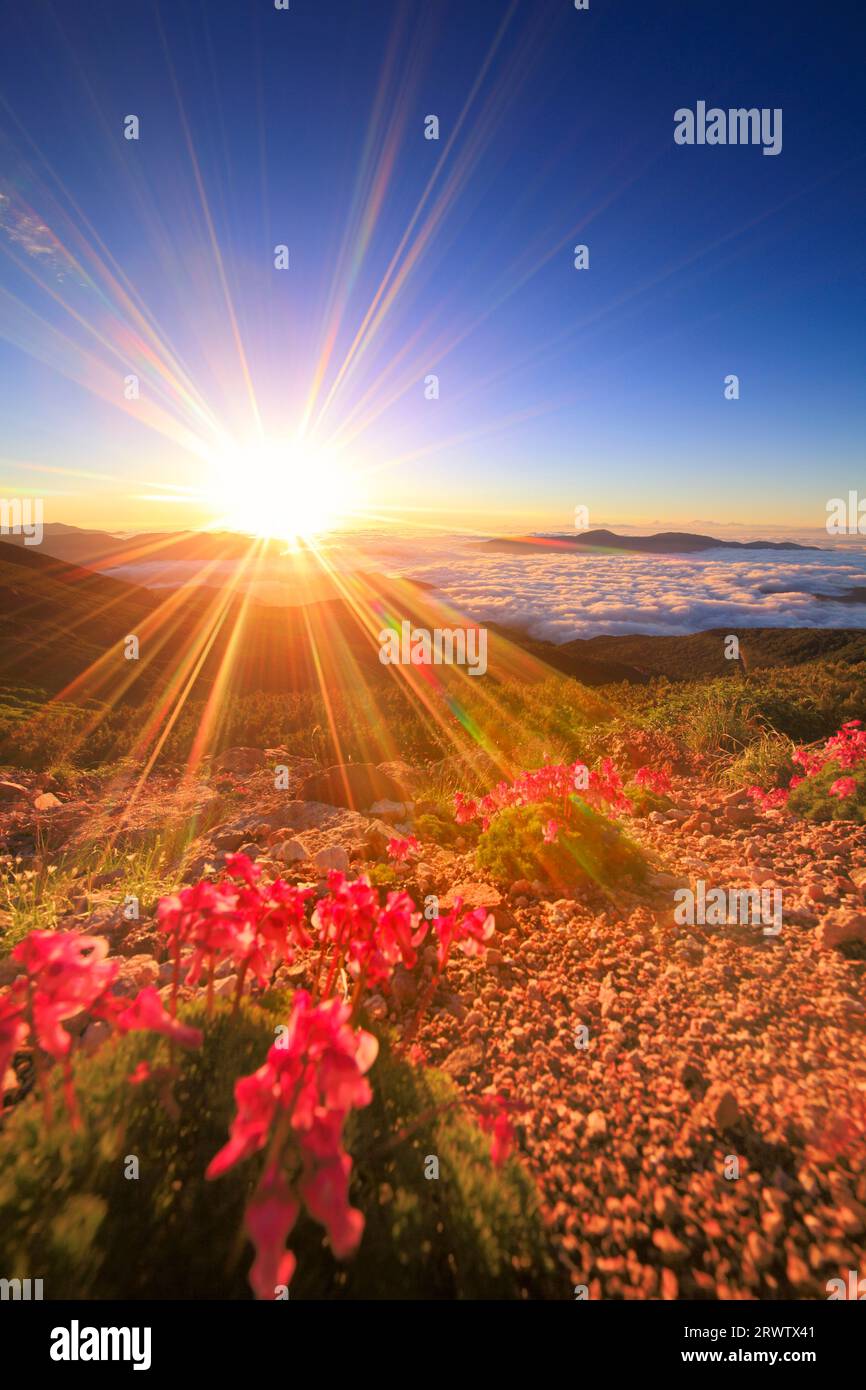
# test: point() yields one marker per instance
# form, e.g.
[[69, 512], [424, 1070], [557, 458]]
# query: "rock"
[[240, 760], [690, 1075], [331, 857], [840, 927], [391, 811], [473, 895], [227, 841], [47, 802], [136, 972], [465, 1059], [355, 785], [721, 1105], [291, 852], [521, 888], [11, 791], [403, 986], [596, 1124], [671, 1249], [409, 777]]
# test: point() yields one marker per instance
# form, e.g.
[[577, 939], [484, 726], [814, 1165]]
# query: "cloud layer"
[[566, 596]]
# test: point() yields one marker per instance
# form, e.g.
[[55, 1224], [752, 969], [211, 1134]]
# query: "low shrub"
[[814, 798], [70, 1215], [588, 847]]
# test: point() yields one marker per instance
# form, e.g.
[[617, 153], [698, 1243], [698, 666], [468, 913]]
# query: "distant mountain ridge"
[[664, 543]]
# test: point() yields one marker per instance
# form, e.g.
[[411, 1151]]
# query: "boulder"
[[331, 857], [240, 760], [841, 927], [354, 785], [11, 791]]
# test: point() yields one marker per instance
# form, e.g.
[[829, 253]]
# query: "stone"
[[390, 811], [136, 972], [596, 1124], [11, 791], [331, 857], [354, 785], [722, 1106], [841, 927], [47, 802], [241, 761], [465, 1059], [291, 852]]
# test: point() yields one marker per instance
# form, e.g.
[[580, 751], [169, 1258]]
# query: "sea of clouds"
[[560, 597]]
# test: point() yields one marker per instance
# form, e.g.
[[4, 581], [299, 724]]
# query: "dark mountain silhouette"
[[62, 625], [665, 543]]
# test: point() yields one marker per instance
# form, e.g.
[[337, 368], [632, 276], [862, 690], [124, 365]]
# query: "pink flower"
[[255, 925], [67, 974], [843, 786], [269, 1218], [493, 1118], [551, 832], [655, 781], [141, 1074], [146, 1012], [399, 849], [298, 1100], [469, 933]]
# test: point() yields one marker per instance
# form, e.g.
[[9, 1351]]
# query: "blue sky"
[[557, 387]]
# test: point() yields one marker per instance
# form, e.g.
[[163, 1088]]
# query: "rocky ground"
[[695, 1096]]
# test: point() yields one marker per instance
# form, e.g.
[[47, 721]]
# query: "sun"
[[281, 489]]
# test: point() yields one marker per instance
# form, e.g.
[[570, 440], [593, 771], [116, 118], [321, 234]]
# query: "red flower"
[[400, 849], [469, 932], [269, 1219], [146, 1012], [657, 781], [843, 786], [493, 1118], [298, 1102]]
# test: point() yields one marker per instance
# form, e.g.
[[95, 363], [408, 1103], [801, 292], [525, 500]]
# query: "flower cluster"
[[255, 925], [657, 780], [400, 849], [469, 932], [367, 940], [554, 782], [846, 749], [493, 1114], [296, 1105], [64, 974]]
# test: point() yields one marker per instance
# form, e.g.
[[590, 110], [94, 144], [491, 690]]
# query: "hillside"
[[664, 543]]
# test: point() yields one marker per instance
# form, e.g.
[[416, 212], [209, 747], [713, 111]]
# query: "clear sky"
[[262, 388]]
